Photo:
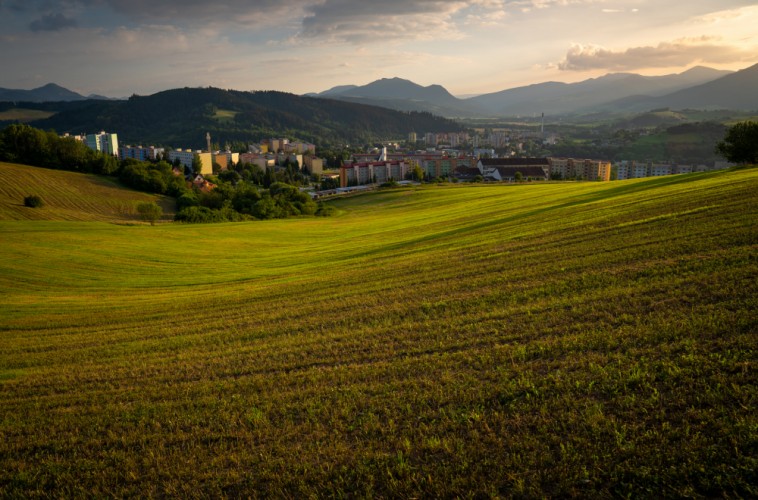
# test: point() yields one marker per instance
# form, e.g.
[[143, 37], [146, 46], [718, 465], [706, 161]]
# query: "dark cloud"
[[364, 20], [52, 22], [344, 20], [14, 5], [200, 11], [320, 18], [667, 54]]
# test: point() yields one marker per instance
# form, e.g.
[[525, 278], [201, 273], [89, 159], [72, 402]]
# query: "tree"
[[740, 144], [518, 177], [33, 201], [416, 173], [149, 211], [197, 165]]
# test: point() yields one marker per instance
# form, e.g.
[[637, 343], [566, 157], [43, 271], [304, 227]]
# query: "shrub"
[[149, 211], [33, 201], [325, 210], [197, 214]]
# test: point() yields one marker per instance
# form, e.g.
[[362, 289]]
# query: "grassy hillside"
[[593, 339], [69, 196], [24, 115], [691, 143]]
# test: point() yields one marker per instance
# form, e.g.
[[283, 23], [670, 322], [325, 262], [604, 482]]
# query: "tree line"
[[243, 193], [21, 143]]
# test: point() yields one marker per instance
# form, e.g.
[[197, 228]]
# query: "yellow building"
[[187, 156], [572, 168]]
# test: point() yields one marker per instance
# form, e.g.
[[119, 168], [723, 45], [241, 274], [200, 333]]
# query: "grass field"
[[225, 115], [567, 339], [24, 115], [70, 196]]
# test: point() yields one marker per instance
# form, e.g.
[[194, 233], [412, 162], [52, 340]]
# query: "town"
[[454, 157]]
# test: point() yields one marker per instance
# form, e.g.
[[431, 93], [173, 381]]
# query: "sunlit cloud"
[[680, 52]]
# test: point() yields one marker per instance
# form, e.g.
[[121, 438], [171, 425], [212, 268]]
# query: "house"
[[202, 184], [511, 173], [504, 169], [465, 173]]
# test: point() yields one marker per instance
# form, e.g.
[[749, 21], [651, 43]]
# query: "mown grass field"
[[24, 115], [567, 339], [70, 196]]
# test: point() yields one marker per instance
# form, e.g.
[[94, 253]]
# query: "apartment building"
[[573, 168], [313, 165], [300, 148], [186, 156], [263, 161], [443, 166], [226, 159], [139, 153], [630, 169], [357, 173], [103, 142]]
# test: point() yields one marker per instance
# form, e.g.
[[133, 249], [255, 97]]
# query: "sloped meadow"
[[568, 339]]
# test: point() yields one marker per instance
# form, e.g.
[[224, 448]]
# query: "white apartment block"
[[103, 142]]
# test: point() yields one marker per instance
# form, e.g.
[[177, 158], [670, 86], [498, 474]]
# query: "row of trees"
[[21, 143], [245, 193], [244, 201]]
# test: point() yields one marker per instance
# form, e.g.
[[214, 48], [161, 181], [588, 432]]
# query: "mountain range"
[[182, 117], [696, 88], [47, 93]]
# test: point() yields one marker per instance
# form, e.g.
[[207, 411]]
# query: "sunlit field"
[[542, 339], [70, 196]]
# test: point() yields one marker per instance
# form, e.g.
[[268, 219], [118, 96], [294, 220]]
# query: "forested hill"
[[181, 118]]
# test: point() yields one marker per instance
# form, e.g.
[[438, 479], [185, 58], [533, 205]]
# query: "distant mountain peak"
[[46, 93]]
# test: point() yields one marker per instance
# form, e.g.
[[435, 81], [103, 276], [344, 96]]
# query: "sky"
[[118, 48]]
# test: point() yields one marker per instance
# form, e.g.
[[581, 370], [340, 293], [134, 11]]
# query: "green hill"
[[70, 196], [549, 340], [182, 117]]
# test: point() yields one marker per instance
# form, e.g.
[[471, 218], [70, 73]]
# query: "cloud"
[[14, 5], [681, 52], [203, 11], [346, 20], [52, 22]]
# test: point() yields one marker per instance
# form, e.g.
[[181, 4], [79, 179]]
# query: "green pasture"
[[225, 115], [648, 147], [70, 196], [24, 115], [533, 340]]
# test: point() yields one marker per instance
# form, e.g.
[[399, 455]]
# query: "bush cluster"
[[230, 203], [33, 201], [151, 177]]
